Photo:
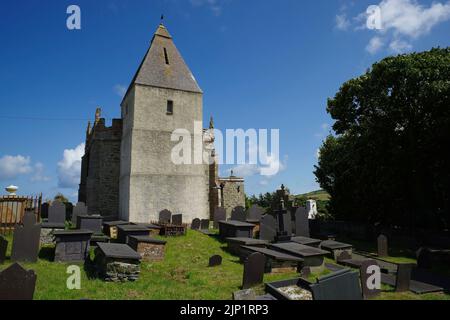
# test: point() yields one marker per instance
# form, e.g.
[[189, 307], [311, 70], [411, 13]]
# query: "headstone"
[[79, 210], [382, 242], [26, 240], [424, 258], [220, 214], [215, 260], [238, 214], [254, 268], [177, 219], [56, 216], [3, 248], [204, 224], [93, 223], [341, 285], [16, 283], [165, 216], [195, 224], [268, 228], [255, 213], [311, 209], [403, 277], [368, 286], [44, 210], [301, 223]]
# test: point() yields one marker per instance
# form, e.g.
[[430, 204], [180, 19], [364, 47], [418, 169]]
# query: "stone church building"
[[127, 171]]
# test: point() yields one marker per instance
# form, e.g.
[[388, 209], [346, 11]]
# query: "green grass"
[[320, 195]]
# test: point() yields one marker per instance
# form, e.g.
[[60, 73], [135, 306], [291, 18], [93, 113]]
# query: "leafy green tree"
[[388, 162]]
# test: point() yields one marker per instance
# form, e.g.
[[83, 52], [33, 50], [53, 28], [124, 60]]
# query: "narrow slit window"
[[166, 56], [169, 107]]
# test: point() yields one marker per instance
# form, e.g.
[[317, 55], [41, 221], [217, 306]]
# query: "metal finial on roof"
[[211, 123], [162, 18]]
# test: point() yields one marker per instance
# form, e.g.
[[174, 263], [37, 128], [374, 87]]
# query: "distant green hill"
[[316, 195]]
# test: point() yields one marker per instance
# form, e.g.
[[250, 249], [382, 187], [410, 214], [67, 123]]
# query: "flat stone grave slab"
[[276, 261], [234, 244], [117, 262], [16, 283], [72, 245], [3, 248], [124, 231], [93, 223], [291, 289], [150, 249], [110, 227], [97, 238], [313, 257], [235, 229], [336, 248], [307, 241], [155, 230], [416, 287]]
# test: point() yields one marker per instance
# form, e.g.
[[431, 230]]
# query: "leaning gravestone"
[[255, 213], [254, 268], [220, 214], [3, 247], [238, 214], [79, 210], [382, 243], [165, 216], [195, 224], [56, 216], [215, 261], [268, 228], [403, 277], [301, 223], [369, 285], [26, 240], [16, 283], [341, 285], [177, 219]]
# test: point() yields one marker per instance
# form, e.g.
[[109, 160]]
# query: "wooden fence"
[[13, 208]]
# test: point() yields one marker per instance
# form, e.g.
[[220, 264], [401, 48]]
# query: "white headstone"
[[311, 208]]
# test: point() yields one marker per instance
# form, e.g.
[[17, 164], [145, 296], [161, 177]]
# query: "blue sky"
[[261, 63]]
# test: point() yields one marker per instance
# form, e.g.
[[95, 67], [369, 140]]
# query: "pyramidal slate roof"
[[164, 67]]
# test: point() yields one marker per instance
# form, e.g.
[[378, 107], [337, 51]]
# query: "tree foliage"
[[389, 161]]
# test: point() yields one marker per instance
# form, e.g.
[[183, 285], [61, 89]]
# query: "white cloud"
[[39, 175], [120, 90], [214, 5], [13, 166], [69, 168], [342, 22], [271, 164], [375, 45], [399, 46]]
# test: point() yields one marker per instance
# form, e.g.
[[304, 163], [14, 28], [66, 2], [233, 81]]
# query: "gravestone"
[[204, 224], [254, 268], [341, 285], [72, 245], [382, 243], [268, 228], [93, 223], [403, 277], [79, 210], [16, 283], [255, 213], [301, 223], [26, 240], [56, 216], [367, 277], [220, 214], [195, 224], [424, 258], [215, 260], [165, 216], [177, 219], [238, 214], [44, 210], [3, 248]]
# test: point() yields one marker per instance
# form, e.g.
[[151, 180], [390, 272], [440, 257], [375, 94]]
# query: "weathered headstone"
[[56, 216], [403, 277], [254, 268], [79, 210], [369, 285], [26, 240], [238, 214], [16, 283], [195, 225], [165, 216], [44, 210], [268, 228], [255, 213], [3, 248], [301, 223], [215, 260], [382, 243], [220, 214], [204, 224], [177, 219]]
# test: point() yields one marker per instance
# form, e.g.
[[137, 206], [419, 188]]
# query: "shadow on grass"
[[47, 253]]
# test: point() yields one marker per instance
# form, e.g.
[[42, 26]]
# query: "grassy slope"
[[316, 195]]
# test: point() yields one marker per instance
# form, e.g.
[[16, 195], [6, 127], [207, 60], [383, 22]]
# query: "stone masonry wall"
[[233, 193]]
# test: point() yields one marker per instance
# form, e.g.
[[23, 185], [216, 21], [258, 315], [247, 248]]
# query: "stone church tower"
[[162, 97]]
